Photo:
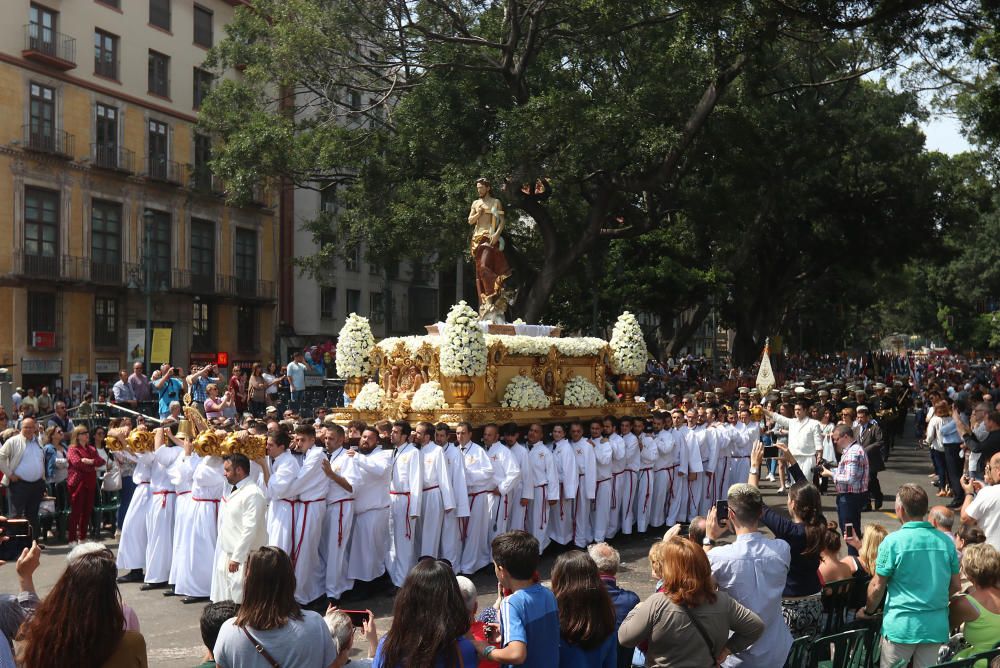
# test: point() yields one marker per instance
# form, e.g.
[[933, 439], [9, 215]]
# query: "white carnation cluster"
[[354, 345], [428, 397], [369, 398], [582, 393], [628, 347], [538, 346], [523, 392], [463, 344], [411, 343]]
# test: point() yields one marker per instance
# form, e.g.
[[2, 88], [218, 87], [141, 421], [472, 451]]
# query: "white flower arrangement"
[[411, 343], [463, 344], [428, 397], [354, 345], [369, 398], [523, 392], [628, 347], [538, 346], [582, 393]]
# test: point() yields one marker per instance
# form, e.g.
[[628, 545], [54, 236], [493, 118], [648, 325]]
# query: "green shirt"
[[918, 561]]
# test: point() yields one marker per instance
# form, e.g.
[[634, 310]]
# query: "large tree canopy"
[[615, 107]]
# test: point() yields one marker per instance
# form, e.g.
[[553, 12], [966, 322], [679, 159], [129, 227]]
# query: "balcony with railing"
[[201, 179], [245, 288], [112, 157], [39, 267], [106, 273], [46, 139], [46, 46], [160, 169]]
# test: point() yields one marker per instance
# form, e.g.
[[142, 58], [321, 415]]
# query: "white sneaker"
[[770, 477]]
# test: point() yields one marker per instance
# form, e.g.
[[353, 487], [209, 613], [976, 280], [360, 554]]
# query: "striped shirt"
[[851, 475]]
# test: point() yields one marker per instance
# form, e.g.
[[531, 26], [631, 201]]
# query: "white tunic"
[[405, 493], [627, 501], [280, 492], [619, 482], [521, 490], [561, 522], [242, 530], [600, 514], [586, 492], [544, 476], [437, 500], [194, 574], [160, 519], [481, 482], [309, 513], [132, 546], [453, 522], [339, 521], [506, 475], [370, 536], [663, 444], [181, 474]]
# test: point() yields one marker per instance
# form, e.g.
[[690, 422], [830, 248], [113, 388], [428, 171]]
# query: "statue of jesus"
[[487, 218]]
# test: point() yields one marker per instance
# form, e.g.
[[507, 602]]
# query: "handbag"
[[704, 636], [260, 649], [112, 480]]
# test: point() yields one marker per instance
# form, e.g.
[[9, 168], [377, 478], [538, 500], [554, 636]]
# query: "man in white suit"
[[241, 528]]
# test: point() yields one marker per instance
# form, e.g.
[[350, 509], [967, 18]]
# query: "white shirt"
[[985, 509], [31, 468]]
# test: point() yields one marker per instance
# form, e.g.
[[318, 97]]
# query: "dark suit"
[[872, 441]]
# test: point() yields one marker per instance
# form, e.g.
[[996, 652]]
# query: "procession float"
[[478, 368]]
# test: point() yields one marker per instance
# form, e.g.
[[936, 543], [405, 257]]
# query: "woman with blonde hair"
[[689, 623], [82, 481], [979, 608]]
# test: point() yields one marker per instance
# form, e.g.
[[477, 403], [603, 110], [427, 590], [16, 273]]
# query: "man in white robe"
[[279, 484], [747, 434], [805, 436], [194, 574], [134, 536], [242, 528], [405, 493], [437, 497], [544, 478], [619, 476], [522, 492], [649, 453], [709, 447], [695, 467], [342, 473], [453, 522], [309, 512], [662, 442], [586, 469], [370, 536], [181, 474], [160, 520], [561, 520], [506, 475], [631, 475], [600, 513], [481, 483], [678, 509]]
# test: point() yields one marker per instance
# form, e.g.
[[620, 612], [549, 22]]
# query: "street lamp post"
[[147, 285]]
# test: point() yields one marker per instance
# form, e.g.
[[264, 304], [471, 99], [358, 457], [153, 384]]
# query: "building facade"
[[105, 177]]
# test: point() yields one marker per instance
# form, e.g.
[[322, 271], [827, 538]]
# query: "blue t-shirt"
[[466, 650], [531, 616], [169, 391], [604, 655]]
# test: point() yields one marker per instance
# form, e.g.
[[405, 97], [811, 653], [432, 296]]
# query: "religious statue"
[[492, 270]]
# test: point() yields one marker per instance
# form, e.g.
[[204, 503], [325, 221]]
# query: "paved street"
[[171, 628]]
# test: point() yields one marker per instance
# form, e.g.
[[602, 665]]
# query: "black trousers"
[[953, 464], [24, 498]]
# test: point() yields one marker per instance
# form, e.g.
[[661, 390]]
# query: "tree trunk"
[[690, 321], [538, 295]]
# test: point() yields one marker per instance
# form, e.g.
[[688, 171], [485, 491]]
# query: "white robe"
[[406, 483], [619, 483], [522, 489], [709, 448], [664, 445], [437, 500], [600, 515], [561, 521], [370, 535], [309, 513], [626, 501], [132, 546], [739, 461], [678, 504], [544, 477], [339, 521], [281, 506], [648, 454], [454, 522], [506, 475], [160, 519], [242, 530], [194, 573], [181, 473], [480, 481], [586, 492]]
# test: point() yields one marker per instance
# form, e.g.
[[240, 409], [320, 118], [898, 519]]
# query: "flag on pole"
[[765, 377]]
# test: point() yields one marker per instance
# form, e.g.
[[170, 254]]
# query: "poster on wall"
[[160, 349], [136, 343]]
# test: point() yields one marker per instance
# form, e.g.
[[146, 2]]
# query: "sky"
[[944, 135]]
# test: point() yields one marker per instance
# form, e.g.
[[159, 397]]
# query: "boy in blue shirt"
[[529, 617]]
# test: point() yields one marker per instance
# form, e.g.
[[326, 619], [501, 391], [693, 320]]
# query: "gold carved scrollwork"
[[547, 372], [600, 368], [496, 355]]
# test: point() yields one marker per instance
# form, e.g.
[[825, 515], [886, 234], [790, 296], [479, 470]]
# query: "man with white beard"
[[679, 489], [600, 514], [626, 501], [160, 520], [370, 535], [662, 442], [586, 491], [132, 545], [451, 526], [542, 472], [644, 478], [406, 482], [342, 473], [438, 497], [309, 513], [522, 491], [480, 481], [619, 477], [194, 574], [279, 485], [506, 474], [561, 520]]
